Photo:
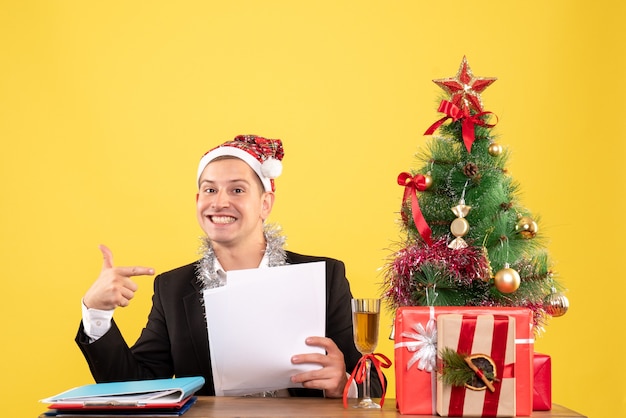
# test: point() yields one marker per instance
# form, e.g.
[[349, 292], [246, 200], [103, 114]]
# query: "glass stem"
[[366, 381]]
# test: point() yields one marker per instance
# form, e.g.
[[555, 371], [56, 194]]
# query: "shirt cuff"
[[353, 392], [96, 322]]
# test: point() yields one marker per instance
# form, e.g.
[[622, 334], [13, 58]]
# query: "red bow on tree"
[[411, 186], [468, 121]]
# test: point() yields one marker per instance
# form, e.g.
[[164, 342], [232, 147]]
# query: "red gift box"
[[490, 337], [415, 355], [542, 384]]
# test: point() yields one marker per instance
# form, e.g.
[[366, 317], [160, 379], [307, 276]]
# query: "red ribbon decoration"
[[451, 110], [411, 186], [468, 123], [358, 374]]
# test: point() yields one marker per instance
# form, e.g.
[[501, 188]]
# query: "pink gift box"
[[542, 384], [491, 336], [415, 356]]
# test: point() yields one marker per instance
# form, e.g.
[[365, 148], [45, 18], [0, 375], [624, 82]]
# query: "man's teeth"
[[222, 219]]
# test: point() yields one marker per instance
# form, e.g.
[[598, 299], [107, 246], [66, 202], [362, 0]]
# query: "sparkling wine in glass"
[[365, 319]]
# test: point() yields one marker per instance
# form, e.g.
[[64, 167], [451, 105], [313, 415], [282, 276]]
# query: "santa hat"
[[261, 154]]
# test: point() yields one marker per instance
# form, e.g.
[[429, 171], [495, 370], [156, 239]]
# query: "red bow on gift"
[[468, 122], [358, 374], [411, 186]]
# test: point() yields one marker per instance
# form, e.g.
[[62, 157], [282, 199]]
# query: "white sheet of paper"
[[259, 320]]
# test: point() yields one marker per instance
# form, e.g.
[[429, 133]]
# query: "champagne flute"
[[365, 318]]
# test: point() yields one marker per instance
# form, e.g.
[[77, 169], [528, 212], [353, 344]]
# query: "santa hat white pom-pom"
[[271, 168]]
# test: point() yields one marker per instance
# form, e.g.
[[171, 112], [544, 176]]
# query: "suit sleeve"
[[110, 358]]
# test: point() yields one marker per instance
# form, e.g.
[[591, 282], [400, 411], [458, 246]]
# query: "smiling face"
[[231, 204]]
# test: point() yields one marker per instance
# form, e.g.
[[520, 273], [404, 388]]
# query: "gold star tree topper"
[[464, 89]]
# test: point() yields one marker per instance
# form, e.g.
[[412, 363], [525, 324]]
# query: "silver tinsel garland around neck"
[[274, 251]]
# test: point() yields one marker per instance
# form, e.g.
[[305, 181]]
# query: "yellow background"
[[106, 107]]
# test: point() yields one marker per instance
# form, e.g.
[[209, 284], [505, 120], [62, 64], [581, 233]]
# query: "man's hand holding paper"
[[332, 377]]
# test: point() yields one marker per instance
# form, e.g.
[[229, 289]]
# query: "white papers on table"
[[259, 320]]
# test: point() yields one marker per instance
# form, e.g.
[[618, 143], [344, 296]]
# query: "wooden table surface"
[[231, 407]]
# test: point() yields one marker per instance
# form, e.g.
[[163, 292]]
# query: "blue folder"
[[138, 392]]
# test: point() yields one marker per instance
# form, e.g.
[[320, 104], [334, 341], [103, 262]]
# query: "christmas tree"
[[469, 240]]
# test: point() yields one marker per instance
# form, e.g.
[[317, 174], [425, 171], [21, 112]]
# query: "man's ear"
[[267, 203]]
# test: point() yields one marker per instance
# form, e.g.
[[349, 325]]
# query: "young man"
[[235, 197]]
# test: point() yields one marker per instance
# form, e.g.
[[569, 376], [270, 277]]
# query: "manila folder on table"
[[259, 320]]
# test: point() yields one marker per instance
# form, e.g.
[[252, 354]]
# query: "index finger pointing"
[[135, 271]]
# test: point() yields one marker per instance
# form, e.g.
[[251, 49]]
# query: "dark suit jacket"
[[175, 343]]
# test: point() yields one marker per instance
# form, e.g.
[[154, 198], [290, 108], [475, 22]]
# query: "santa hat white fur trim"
[[241, 154]]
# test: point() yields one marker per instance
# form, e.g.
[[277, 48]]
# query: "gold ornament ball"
[[495, 149], [527, 227], [428, 180], [556, 304], [507, 280]]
